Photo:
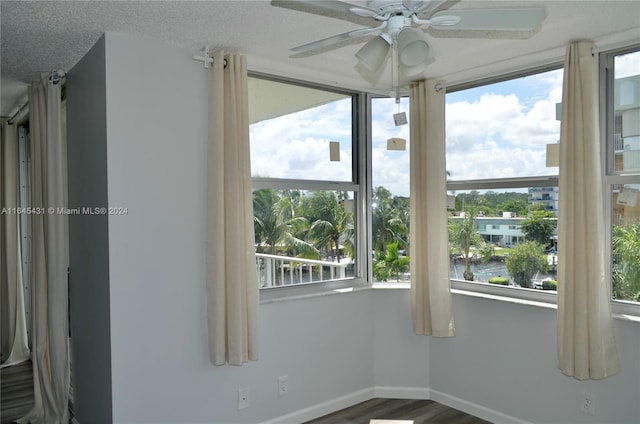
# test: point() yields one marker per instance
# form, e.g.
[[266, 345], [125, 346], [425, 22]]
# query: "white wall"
[[401, 357], [341, 346], [504, 358], [156, 108]]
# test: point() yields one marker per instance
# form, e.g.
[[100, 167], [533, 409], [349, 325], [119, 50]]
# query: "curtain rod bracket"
[[206, 58], [56, 75]]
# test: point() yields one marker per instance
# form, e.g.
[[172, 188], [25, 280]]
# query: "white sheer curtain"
[[586, 341], [232, 288], [13, 323], [50, 244], [430, 286]]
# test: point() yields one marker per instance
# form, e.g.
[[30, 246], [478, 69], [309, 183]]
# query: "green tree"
[[276, 224], [402, 206], [462, 235], [389, 265], [539, 226], [626, 262], [525, 260], [387, 223], [518, 206], [331, 224]]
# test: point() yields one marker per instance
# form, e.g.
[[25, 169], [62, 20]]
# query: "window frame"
[[610, 176], [521, 293], [357, 185], [362, 178]]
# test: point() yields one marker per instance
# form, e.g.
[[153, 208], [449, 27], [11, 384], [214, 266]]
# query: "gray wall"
[[336, 349], [88, 237]]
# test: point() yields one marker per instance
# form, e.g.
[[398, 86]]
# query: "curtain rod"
[[19, 110], [55, 77]]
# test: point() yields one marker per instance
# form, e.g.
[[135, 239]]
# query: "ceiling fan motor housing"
[[388, 6], [396, 24]]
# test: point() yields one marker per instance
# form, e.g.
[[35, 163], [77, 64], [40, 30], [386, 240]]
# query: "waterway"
[[483, 271]]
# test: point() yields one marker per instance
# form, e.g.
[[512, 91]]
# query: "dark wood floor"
[[414, 411], [16, 391]]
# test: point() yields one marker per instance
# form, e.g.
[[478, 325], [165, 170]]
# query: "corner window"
[[305, 183], [501, 153]]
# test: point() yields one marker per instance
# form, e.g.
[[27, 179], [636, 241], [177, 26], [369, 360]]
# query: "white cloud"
[[627, 65], [296, 146], [504, 135], [496, 134]]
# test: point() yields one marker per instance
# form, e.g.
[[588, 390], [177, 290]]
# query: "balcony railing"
[[276, 271]]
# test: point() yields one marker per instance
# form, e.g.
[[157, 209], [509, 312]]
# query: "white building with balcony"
[[503, 231]]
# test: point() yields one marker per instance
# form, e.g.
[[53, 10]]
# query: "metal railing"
[[275, 271]]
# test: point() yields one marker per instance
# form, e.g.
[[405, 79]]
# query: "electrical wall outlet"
[[243, 398], [587, 403], [283, 385]]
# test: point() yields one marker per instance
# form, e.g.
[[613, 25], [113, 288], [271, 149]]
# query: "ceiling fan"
[[402, 24]]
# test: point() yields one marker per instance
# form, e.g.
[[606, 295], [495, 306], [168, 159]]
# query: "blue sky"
[[495, 131]]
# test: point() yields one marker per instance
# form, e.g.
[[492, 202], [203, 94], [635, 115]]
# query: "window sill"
[[306, 291], [624, 311]]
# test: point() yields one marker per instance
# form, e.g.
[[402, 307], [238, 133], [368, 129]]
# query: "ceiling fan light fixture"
[[373, 54], [413, 48]]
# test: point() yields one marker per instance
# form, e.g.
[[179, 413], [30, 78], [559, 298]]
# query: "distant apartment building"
[[547, 196], [626, 148], [503, 231]]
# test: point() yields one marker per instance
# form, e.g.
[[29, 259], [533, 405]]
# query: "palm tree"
[[331, 224], [390, 264], [387, 223], [626, 254], [462, 235], [277, 224]]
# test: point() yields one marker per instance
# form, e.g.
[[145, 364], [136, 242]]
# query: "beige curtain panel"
[[50, 250], [586, 341], [13, 327], [431, 302], [232, 289]]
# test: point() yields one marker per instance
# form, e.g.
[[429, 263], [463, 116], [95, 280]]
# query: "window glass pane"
[[497, 131], [299, 132], [502, 130], [626, 145], [303, 236], [504, 236], [304, 184], [625, 211], [625, 240], [390, 195], [390, 156]]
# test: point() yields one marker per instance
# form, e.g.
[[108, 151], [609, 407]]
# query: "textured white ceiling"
[[37, 36]]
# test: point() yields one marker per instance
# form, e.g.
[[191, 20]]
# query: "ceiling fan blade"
[[511, 24], [337, 45], [331, 41], [445, 20], [524, 19], [369, 13], [330, 8], [430, 8]]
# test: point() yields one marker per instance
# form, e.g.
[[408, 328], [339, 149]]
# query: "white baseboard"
[[324, 408], [474, 409], [391, 392]]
